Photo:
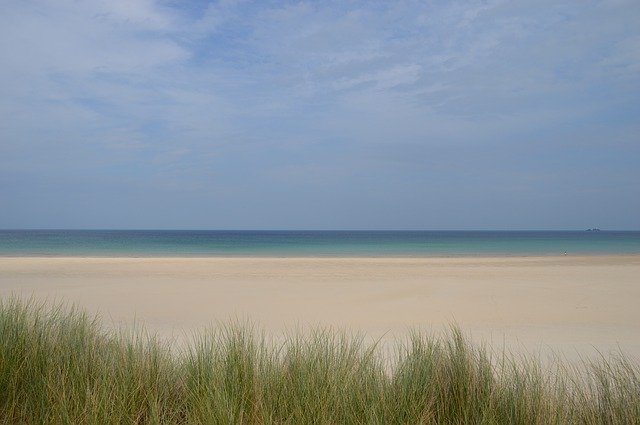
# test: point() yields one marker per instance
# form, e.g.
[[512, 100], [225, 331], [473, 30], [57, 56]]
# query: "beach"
[[573, 305]]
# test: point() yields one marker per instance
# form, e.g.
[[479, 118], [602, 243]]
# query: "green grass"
[[58, 366]]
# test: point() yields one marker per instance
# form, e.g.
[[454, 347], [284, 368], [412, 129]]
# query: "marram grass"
[[57, 366]]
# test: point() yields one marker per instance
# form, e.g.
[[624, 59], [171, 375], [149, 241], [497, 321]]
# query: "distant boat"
[[595, 229]]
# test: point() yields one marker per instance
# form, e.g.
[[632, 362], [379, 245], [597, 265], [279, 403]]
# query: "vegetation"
[[58, 366]]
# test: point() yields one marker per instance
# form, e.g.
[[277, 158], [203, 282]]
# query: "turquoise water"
[[313, 243]]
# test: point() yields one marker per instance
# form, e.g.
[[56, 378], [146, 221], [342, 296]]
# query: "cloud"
[[212, 96]]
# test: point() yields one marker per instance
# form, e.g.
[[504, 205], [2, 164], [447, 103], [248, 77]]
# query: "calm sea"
[[313, 243]]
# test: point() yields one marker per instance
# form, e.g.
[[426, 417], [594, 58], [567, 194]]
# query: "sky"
[[232, 114]]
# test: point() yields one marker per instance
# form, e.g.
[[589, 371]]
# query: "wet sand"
[[572, 305]]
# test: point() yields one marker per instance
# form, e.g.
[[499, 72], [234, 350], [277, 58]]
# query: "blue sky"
[[320, 115]]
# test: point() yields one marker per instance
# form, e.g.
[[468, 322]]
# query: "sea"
[[339, 243]]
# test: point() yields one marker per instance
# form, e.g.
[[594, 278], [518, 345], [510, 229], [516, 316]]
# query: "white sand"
[[569, 304]]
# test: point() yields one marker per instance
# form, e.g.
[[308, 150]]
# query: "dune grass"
[[58, 366]]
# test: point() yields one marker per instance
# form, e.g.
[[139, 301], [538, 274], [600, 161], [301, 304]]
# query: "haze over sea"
[[133, 243]]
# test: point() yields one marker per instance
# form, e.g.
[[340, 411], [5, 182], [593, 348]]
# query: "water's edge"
[[322, 244]]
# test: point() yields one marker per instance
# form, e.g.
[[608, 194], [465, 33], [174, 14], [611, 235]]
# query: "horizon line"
[[311, 230]]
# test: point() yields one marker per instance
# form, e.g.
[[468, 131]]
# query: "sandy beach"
[[573, 305]]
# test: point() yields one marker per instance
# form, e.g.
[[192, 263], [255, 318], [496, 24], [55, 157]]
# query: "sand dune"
[[570, 304]]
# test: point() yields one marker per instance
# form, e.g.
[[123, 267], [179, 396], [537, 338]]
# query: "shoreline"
[[327, 257], [575, 305]]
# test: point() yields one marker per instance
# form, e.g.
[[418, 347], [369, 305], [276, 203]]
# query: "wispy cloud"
[[261, 96]]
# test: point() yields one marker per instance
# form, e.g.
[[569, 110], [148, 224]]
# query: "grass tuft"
[[58, 366]]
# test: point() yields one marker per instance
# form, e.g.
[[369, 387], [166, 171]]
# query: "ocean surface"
[[147, 243]]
